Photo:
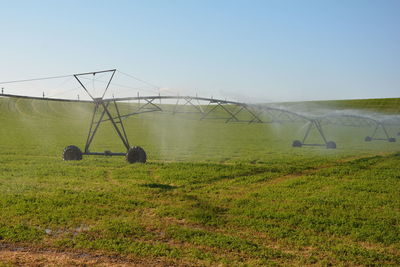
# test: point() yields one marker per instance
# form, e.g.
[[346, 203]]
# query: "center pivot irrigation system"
[[107, 109]]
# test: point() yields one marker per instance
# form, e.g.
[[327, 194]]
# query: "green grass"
[[212, 193], [381, 105]]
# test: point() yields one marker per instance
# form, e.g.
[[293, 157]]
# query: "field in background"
[[381, 105], [211, 192]]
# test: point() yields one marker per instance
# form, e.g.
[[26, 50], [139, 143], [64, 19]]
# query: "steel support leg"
[[97, 124], [124, 141], [321, 132], [121, 123]]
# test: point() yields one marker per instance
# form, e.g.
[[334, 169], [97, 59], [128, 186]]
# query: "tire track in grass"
[[42, 109], [298, 255], [62, 110], [27, 111], [32, 256], [250, 188], [11, 106], [271, 243], [240, 190], [2, 104], [370, 247], [219, 254]]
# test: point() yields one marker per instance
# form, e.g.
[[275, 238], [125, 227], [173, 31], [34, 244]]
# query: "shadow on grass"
[[160, 186]]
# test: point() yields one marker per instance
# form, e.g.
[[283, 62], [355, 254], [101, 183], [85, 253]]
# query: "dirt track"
[[19, 256]]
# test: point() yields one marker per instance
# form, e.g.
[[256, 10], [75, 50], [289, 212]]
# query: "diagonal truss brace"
[[314, 124]]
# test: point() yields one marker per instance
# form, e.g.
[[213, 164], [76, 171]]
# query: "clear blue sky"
[[241, 50]]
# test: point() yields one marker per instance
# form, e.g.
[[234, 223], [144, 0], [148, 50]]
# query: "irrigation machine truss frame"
[[255, 114]]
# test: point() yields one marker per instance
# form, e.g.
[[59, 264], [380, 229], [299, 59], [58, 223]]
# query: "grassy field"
[[382, 105], [211, 193]]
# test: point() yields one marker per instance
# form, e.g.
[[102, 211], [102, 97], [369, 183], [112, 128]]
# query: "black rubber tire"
[[368, 139], [296, 143], [136, 154], [392, 139], [331, 145], [72, 153]]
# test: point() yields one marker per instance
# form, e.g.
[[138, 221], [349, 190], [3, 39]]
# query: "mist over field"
[[213, 191], [181, 136]]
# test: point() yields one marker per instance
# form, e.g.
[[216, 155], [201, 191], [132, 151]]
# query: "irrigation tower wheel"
[[72, 153], [368, 139], [296, 143], [331, 145], [136, 154]]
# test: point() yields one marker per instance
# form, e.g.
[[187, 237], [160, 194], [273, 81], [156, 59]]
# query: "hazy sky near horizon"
[[251, 50]]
